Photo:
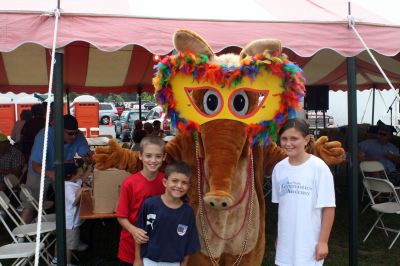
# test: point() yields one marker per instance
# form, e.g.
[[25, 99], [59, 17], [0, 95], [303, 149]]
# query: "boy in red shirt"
[[135, 189]]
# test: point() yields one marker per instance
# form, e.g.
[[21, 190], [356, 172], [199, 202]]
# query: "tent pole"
[[139, 91], [373, 105], [352, 160], [59, 158], [67, 93]]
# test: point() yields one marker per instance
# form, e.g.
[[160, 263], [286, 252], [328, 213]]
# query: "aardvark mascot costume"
[[228, 110]]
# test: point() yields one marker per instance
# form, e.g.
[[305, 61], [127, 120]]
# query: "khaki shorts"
[[72, 237], [33, 184]]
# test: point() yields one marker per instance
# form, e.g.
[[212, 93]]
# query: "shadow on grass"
[[103, 237]]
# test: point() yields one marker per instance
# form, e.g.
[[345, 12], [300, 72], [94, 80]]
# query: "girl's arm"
[[321, 250], [185, 261]]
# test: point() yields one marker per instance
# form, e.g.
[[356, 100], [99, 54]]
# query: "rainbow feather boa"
[[199, 68]]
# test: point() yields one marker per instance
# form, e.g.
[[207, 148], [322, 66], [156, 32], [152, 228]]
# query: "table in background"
[[93, 142]]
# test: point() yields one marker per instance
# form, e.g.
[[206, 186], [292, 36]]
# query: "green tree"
[[148, 97], [114, 98]]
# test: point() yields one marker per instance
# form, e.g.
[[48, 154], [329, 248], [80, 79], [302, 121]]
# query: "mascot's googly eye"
[[239, 103], [212, 102]]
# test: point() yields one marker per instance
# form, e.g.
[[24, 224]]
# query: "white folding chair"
[[28, 231], [27, 193], [48, 217], [12, 183], [388, 207], [373, 169], [21, 252]]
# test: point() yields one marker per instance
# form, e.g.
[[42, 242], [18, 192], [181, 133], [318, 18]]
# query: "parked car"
[[107, 112], [146, 105], [157, 114], [125, 124]]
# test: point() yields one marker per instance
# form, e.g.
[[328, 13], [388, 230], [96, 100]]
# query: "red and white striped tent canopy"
[[109, 46]]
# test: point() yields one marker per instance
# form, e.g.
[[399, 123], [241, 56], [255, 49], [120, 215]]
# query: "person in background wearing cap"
[[74, 143], [11, 160], [380, 149]]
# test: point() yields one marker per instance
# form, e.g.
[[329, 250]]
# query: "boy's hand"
[[138, 262], [85, 189], [140, 236], [321, 251]]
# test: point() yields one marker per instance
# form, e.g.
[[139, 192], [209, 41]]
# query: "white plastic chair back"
[[10, 210], [368, 167], [379, 185], [27, 193], [10, 185]]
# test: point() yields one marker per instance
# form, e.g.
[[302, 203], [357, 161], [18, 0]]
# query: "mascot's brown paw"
[[329, 151], [114, 155]]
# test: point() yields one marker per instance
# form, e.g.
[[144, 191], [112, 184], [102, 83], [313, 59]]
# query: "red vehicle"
[[120, 108]]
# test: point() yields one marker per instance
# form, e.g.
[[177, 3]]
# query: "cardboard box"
[[106, 188]]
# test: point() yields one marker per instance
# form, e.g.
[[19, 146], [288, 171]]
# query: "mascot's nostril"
[[224, 204], [212, 204]]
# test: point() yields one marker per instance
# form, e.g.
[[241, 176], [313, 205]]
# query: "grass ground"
[[103, 237]]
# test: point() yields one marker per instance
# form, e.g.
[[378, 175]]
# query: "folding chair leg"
[[22, 262], [372, 228], [384, 228], [394, 240], [365, 208], [75, 257]]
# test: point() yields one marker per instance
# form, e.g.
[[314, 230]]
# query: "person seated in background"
[[74, 143], [137, 138], [380, 149], [148, 127], [11, 160], [157, 129], [137, 135], [31, 128], [25, 116], [138, 125]]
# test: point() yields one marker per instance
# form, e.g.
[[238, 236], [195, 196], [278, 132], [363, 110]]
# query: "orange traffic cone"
[[110, 123]]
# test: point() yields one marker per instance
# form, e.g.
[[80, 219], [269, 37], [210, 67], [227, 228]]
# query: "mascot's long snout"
[[223, 142]]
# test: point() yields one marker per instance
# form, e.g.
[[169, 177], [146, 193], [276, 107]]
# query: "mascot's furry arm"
[[114, 155]]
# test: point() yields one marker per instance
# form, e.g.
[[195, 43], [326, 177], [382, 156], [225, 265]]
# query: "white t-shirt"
[[301, 191], [72, 212]]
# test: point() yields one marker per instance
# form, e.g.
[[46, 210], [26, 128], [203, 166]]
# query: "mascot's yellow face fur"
[[250, 102], [260, 87]]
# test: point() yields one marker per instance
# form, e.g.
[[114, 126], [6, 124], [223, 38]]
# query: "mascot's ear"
[[186, 40], [259, 46]]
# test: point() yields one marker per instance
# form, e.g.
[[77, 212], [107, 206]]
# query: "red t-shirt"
[[135, 189]]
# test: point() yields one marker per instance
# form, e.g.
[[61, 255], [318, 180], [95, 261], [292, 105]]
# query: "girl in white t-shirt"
[[303, 186]]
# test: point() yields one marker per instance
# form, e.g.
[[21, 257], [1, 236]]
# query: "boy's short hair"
[[155, 140], [70, 169], [178, 167]]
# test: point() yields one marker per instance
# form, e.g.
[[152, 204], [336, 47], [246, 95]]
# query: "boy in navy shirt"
[[169, 222]]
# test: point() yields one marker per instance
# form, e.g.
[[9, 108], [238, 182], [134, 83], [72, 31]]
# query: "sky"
[[383, 99]]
